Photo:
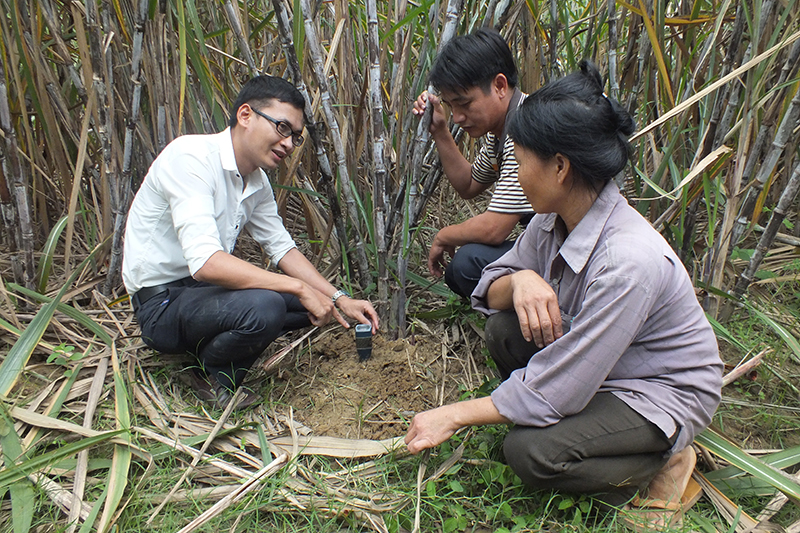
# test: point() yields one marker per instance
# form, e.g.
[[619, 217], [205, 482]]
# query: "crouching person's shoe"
[[207, 388], [247, 397]]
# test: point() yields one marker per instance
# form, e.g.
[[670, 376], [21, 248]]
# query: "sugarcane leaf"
[[82, 318], [20, 471], [46, 261], [121, 461], [782, 332], [20, 353], [720, 446], [22, 494]]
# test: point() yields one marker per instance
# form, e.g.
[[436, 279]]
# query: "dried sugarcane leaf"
[[338, 447]]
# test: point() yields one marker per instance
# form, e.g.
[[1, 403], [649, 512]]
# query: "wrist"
[[340, 293]]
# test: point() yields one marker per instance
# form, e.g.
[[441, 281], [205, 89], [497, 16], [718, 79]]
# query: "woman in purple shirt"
[[610, 367]]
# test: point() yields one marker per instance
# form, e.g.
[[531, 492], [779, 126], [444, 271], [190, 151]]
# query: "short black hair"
[[261, 90], [572, 116], [473, 60]]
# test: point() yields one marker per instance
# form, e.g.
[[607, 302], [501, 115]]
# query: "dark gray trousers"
[[227, 330], [608, 449], [464, 269]]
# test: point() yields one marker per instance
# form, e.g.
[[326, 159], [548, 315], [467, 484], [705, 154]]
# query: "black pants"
[[464, 270], [227, 330], [608, 449]]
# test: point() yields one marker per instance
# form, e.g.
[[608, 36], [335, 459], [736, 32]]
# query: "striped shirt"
[[501, 169]]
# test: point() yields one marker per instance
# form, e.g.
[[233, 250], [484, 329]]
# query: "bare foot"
[[667, 487]]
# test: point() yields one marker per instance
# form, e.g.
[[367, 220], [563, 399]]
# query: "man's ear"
[[500, 85], [244, 114]]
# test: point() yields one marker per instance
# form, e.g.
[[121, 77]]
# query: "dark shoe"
[[207, 388], [248, 397], [199, 382]]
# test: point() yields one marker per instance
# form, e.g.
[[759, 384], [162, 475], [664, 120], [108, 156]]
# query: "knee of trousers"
[[500, 327], [528, 458], [262, 313]]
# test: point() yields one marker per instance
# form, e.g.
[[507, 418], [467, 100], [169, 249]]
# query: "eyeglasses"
[[283, 127]]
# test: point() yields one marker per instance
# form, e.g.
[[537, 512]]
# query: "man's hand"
[[436, 261], [536, 305], [431, 428], [360, 310], [320, 307], [438, 121]]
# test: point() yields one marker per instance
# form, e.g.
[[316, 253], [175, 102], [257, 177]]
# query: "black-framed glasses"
[[283, 127]]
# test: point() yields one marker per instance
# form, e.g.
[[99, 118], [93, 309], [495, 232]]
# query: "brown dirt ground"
[[335, 394]]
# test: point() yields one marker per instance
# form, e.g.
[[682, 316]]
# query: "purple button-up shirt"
[[635, 326]]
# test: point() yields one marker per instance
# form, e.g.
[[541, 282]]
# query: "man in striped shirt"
[[477, 79]]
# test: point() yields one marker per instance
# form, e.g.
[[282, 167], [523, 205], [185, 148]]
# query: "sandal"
[[668, 496]]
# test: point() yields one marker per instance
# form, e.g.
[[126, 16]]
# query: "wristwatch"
[[338, 294]]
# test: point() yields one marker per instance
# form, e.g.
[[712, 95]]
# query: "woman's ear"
[[563, 168]]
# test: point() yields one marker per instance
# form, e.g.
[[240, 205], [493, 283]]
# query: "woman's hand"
[[536, 305], [431, 428]]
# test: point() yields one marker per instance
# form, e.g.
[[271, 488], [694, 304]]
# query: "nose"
[[458, 117], [286, 144]]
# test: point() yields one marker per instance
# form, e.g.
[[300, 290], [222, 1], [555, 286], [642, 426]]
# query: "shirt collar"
[[583, 239], [255, 180]]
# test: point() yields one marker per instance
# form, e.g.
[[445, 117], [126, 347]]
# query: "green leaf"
[[19, 354], [82, 318], [22, 495], [782, 332], [20, 471], [720, 446], [46, 261]]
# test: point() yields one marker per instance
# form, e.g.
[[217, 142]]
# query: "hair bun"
[[589, 70]]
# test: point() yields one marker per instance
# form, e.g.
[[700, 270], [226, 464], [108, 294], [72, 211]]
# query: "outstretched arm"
[[431, 428]]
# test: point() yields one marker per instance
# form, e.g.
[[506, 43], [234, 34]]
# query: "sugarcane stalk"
[[315, 48], [102, 118], [380, 175], [782, 136], [553, 40], [65, 55], [16, 211], [789, 68], [326, 173], [236, 26], [418, 152], [121, 213], [612, 50], [488, 19], [775, 221]]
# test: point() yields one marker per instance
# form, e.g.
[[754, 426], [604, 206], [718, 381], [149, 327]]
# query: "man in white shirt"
[[189, 293]]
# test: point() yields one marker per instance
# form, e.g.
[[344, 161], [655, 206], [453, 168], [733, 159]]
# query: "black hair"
[[473, 60], [263, 89], [572, 116]]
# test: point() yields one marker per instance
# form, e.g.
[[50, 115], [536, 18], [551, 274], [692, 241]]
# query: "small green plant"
[[65, 355]]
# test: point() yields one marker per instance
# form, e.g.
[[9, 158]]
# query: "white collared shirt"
[[193, 203]]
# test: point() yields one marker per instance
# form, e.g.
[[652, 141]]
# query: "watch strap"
[[338, 294]]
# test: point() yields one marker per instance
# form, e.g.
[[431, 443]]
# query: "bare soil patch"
[[335, 394]]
